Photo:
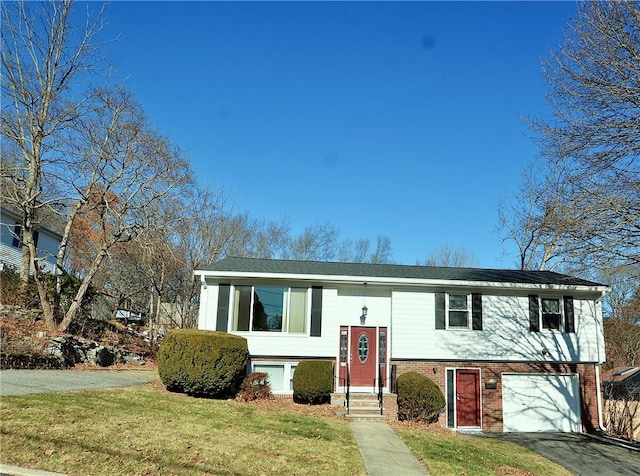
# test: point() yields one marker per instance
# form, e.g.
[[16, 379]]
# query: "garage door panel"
[[534, 402]]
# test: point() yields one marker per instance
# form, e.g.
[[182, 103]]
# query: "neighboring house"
[[622, 383], [47, 242], [511, 350], [127, 315]]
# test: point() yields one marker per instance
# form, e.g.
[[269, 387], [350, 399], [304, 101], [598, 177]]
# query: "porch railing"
[[380, 387], [347, 389]]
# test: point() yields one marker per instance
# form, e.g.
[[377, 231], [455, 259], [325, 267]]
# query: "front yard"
[[146, 430]]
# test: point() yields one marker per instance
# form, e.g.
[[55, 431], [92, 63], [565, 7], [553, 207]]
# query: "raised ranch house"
[[510, 350]]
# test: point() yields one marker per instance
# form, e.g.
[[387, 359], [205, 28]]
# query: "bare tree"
[[539, 220], [86, 153], [317, 243], [43, 58], [594, 135], [123, 170], [450, 258], [361, 251]]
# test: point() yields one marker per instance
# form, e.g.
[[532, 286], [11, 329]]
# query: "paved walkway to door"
[[383, 452]]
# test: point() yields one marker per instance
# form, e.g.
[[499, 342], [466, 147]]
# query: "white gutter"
[[599, 396]]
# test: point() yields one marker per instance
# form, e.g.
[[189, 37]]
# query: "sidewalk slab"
[[8, 470], [383, 452]]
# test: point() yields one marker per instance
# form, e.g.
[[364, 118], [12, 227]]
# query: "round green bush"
[[419, 398], [313, 382], [205, 363]]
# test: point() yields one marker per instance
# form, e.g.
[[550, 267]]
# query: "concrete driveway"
[[585, 455], [21, 382]]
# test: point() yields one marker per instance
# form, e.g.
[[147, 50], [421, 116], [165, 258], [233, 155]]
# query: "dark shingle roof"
[[325, 268]]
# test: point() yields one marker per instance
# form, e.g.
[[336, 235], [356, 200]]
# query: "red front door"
[[467, 397], [363, 356]]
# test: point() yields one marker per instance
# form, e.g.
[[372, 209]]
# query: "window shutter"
[[222, 317], [569, 319], [17, 236], [316, 311], [440, 317], [534, 314], [476, 311]]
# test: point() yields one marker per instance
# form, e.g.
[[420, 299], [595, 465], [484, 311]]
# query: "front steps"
[[364, 406]]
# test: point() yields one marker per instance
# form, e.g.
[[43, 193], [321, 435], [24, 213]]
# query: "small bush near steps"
[[255, 386], [313, 382], [419, 398]]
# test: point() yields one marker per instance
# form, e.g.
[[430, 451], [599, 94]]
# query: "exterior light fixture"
[[363, 317]]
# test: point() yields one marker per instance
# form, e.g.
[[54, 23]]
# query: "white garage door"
[[541, 402]]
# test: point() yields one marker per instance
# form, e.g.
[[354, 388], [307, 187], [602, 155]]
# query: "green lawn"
[[147, 431], [143, 430]]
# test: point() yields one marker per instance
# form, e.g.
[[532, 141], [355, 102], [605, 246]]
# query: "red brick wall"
[[492, 399]]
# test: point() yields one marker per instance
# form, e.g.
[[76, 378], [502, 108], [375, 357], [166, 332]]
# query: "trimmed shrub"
[[313, 382], [203, 363], [419, 398], [255, 386]]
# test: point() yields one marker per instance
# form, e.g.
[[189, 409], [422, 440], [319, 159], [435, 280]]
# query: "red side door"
[[467, 397], [363, 356]]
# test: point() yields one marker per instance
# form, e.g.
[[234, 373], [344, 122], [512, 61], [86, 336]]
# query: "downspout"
[[601, 425], [599, 396]]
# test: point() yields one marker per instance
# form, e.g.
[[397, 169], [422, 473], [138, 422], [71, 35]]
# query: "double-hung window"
[[264, 308], [549, 313], [458, 311]]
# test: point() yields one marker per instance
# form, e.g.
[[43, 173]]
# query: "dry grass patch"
[[444, 452], [146, 430]]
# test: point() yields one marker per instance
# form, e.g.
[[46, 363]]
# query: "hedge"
[[204, 363], [313, 381], [419, 398]]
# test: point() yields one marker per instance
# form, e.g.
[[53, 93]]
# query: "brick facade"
[[492, 398]]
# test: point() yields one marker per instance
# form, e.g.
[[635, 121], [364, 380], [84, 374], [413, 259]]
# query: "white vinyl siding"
[[409, 315], [505, 322]]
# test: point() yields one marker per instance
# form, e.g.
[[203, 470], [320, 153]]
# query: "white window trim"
[[232, 299], [468, 310], [560, 299], [286, 374]]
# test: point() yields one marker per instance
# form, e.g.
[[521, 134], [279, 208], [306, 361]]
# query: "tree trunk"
[[72, 312]]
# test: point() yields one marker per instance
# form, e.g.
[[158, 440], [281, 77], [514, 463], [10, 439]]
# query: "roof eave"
[[342, 279]]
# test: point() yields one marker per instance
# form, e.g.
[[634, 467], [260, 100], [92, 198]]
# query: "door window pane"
[[363, 348], [343, 347]]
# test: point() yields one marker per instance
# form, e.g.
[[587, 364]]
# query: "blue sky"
[[401, 119]]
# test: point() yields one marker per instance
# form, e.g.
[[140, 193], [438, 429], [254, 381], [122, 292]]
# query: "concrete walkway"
[[383, 452], [7, 470]]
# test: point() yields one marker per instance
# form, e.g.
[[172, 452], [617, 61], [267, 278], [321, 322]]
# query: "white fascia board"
[[334, 279]]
